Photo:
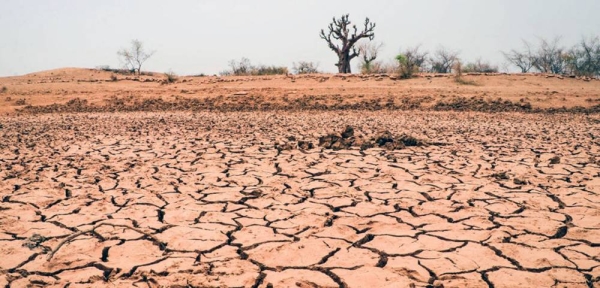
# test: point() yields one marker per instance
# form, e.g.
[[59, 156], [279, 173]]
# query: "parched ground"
[[88, 90], [207, 200]]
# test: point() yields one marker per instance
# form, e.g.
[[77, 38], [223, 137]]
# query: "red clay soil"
[[214, 199]]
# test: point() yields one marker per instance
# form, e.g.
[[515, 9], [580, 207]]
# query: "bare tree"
[[135, 56], [550, 57], [584, 58], [443, 60], [339, 30], [369, 51], [525, 59], [243, 67]]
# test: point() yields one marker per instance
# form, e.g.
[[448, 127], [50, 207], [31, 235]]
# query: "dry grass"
[[462, 81]]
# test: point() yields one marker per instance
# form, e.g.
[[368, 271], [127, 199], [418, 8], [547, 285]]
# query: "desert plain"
[[299, 181]]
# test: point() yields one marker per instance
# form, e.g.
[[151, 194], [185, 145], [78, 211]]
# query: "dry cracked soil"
[[208, 199]]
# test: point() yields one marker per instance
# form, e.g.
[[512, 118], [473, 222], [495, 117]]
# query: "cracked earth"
[[206, 200]]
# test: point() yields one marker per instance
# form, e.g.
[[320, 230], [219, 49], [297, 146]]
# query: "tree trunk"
[[344, 64]]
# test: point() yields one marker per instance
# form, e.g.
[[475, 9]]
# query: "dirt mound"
[[482, 105], [252, 103], [385, 139]]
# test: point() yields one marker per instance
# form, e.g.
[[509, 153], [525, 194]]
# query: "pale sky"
[[202, 36]]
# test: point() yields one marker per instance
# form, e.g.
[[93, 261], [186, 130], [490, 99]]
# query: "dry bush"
[[4, 89], [443, 60], [463, 81], [170, 77], [458, 73], [21, 102], [245, 68], [479, 66], [113, 78], [370, 52], [269, 70], [107, 68], [305, 67]]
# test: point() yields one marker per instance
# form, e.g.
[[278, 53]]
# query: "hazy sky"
[[201, 36]]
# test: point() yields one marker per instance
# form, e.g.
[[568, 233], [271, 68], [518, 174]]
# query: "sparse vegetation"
[[458, 75], [584, 58], [134, 57], [463, 81], [107, 68], [305, 67], [21, 102], [411, 61], [245, 68], [3, 89], [113, 78], [339, 30], [479, 66], [170, 77], [369, 51], [525, 59], [443, 60]]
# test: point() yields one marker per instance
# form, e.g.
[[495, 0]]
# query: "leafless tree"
[[369, 51], [584, 58], [550, 57], [135, 56], [243, 67], [443, 60], [339, 31], [525, 59]]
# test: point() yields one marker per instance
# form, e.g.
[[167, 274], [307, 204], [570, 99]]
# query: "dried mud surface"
[[211, 200]]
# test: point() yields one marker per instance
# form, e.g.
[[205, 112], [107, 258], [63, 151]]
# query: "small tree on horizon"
[[443, 60], [411, 61], [339, 30], [135, 56], [369, 51], [525, 60]]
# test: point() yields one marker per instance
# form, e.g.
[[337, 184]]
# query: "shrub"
[[4, 89], [171, 77], [379, 67], [406, 69], [104, 68], [113, 78], [245, 68], [462, 81], [107, 68], [305, 67], [20, 102], [458, 70], [479, 67], [411, 61], [268, 70]]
